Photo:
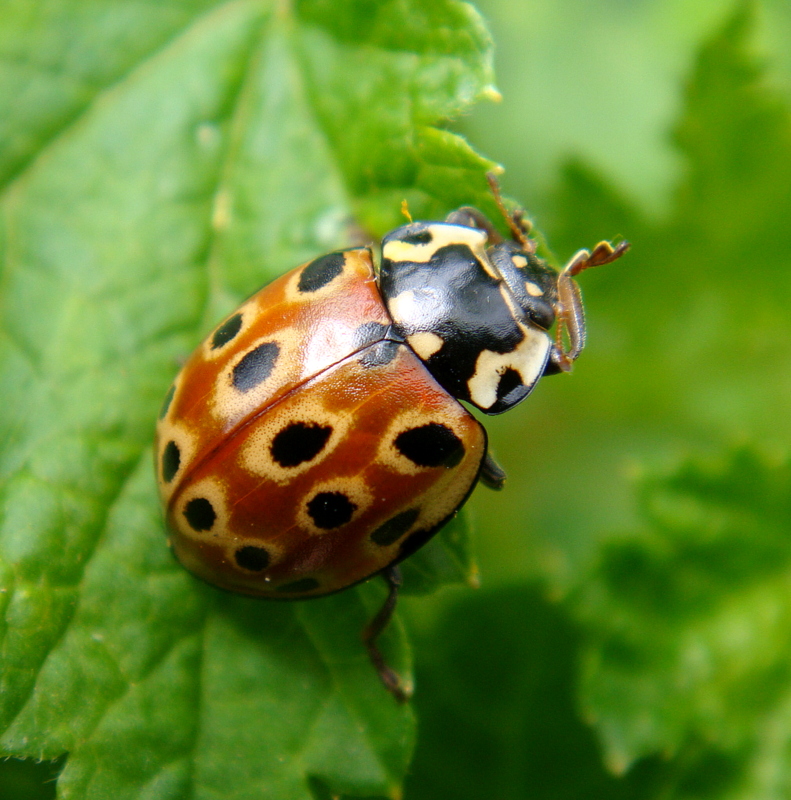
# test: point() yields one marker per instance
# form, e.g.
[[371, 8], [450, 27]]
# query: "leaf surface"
[[689, 628], [162, 161]]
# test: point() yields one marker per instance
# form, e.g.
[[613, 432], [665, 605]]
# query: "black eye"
[[539, 311], [540, 293]]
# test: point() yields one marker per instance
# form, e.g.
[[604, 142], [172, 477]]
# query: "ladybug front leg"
[[390, 678], [569, 310]]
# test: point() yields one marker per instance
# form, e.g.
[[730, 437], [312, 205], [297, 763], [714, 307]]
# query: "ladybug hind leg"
[[393, 682]]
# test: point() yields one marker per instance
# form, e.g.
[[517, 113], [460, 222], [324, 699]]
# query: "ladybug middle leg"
[[393, 682], [492, 474]]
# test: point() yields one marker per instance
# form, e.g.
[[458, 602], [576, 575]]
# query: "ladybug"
[[316, 438]]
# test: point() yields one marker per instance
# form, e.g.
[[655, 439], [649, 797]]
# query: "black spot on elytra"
[[414, 543], [200, 514], [256, 366], [379, 354], [167, 401], [430, 445], [171, 460], [330, 509], [299, 442], [226, 331], [320, 272], [252, 558], [379, 343], [369, 333], [416, 540], [509, 380], [300, 586], [392, 530], [424, 237]]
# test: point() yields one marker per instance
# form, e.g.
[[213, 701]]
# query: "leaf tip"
[[491, 93], [221, 212], [396, 793], [474, 577], [617, 762]]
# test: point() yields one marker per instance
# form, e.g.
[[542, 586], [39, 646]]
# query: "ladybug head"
[[533, 283], [546, 296]]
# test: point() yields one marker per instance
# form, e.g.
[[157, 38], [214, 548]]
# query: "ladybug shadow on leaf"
[[302, 646]]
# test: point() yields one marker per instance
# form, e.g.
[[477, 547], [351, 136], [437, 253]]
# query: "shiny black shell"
[[477, 315]]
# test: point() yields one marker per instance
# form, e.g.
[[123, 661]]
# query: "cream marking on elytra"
[[391, 457], [352, 487], [357, 265], [274, 551], [170, 431], [439, 500], [213, 490], [210, 353], [519, 261], [256, 453], [230, 405]]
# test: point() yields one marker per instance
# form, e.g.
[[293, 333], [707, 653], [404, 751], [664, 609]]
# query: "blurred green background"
[[684, 351]]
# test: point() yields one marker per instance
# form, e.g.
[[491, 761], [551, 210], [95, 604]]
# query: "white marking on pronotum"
[[528, 359], [442, 235], [425, 343], [533, 289]]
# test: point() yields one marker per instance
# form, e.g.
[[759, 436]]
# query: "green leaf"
[[497, 674], [689, 626], [160, 162], [446, 559], [26, 779], [736, 136]]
